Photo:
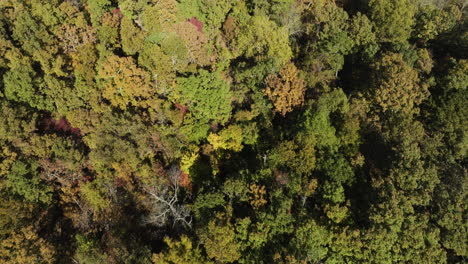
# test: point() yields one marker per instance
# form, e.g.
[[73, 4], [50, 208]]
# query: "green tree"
[[206, 95], [310, 242], [327, 40], [23, 180], [131, 35], [219, 241], [432, 21], [22, 84], [363, 34], [270, 41], [457, 75], [394, 19]]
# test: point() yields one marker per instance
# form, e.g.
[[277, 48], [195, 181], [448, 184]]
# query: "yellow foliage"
[[24, 246], [229, 139], [8, 158], [179, 252], [187, 161], [310, 187], [286, 90], [398, 85], [257, 198], [125, 83]]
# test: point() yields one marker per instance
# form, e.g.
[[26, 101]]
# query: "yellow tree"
[[180, 252], [124, 83], [286, 90], [229, 139], [397, 85], [24, 246]]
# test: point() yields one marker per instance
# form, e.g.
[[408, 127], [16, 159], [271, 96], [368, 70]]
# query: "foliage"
[[233, 131], [22, 180], [180, 252], [394, 19], [261, 39], [219, 241], [229, 139], [285, 90], [124, 83], [25, 246], [206, 95], [397, 84]]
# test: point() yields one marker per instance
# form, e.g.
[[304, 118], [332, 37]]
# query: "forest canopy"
[[233, 131]]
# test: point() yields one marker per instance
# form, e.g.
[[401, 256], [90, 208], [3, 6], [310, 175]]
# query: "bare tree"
[[292, 20], [163, 202]]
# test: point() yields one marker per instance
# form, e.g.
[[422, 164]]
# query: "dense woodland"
[[233, 131]]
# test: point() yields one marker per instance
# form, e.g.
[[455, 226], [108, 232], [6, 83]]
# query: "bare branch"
[[163, 202]]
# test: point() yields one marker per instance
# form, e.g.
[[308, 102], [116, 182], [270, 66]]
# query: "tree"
[[87, 251], [73, 36], [235, 131], [297, 155], [124, 83], [213, 13], [228, 139], [219, 240], [457, 76], [166, 13], [97, 9], [30, 26], [397, 85], [163, 202], [286, 90], [108, 30], [327, 41], [173, 46], [207, 96], [22, 83], [432, 21], [310, 242], [196, 43], [15, 214], [23, 180], [25, 246], [394, 19], [131, 35], [363, 35], [180, 252], [261, 39], [451, 122], [161, 67]]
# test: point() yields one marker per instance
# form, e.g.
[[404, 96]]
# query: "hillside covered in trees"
[[233, 131]]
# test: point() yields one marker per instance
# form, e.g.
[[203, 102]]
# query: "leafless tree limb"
[[164, 202]]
